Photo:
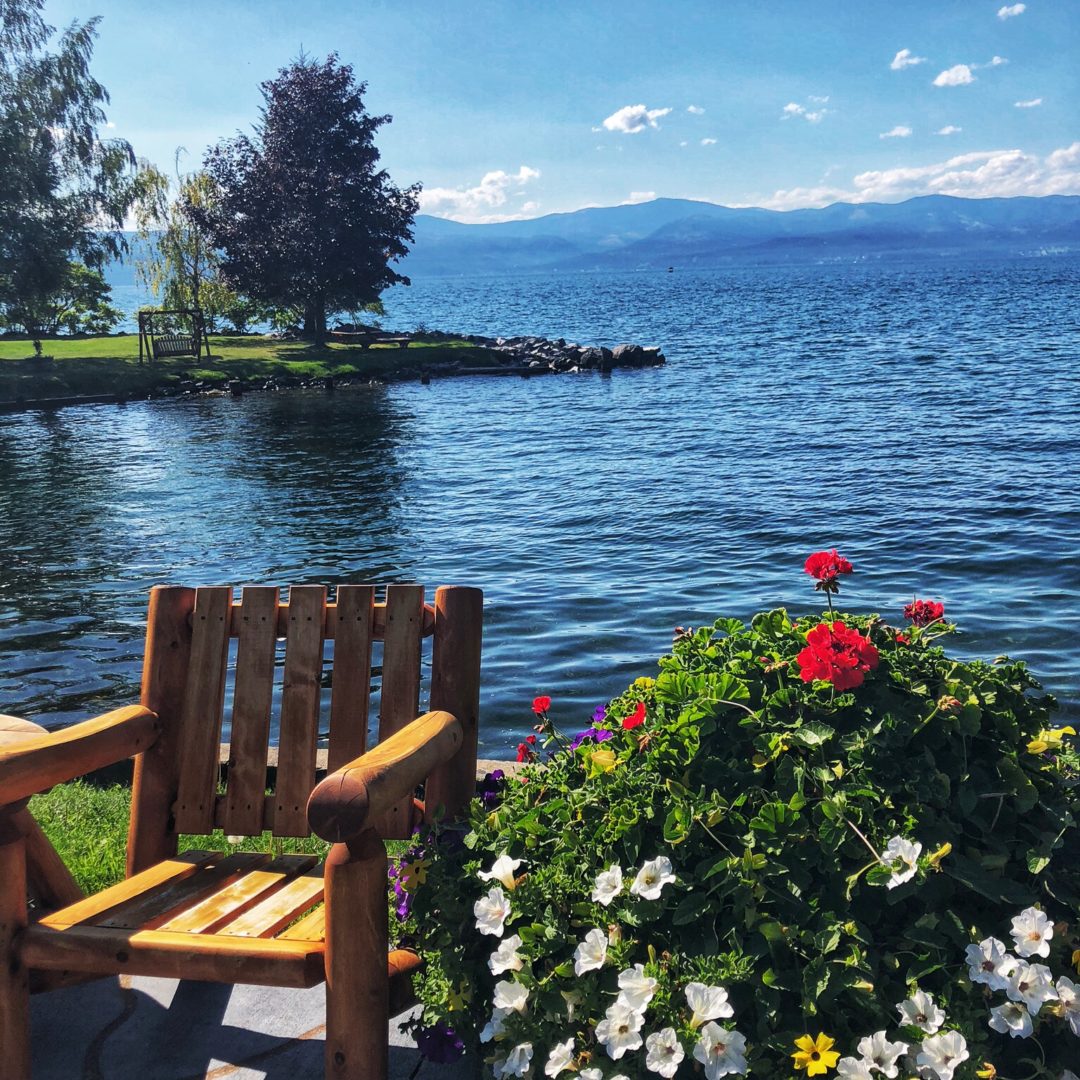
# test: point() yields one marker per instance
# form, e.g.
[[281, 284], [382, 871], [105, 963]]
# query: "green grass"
[[110, 365]]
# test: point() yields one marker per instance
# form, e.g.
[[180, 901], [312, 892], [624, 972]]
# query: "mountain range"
[[685, 234]]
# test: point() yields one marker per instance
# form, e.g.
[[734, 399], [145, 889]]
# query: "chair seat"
[[201, 915]]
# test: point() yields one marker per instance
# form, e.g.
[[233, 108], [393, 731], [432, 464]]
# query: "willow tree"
[[64, 190], [304, 216]]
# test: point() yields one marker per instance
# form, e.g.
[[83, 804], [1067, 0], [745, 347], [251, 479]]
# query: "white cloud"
[[994, 61], [901, 131], [697, 110], [904, 58], [708, 142], [470, 204], [958, 75], [684, 143], [818, 100], [949, 129], [812, 116], [979, 175], [1035, 101], [631, 119], [1009, 10], [639, 197]]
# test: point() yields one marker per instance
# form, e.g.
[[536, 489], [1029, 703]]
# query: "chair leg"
[[14, 983], [357, 945]]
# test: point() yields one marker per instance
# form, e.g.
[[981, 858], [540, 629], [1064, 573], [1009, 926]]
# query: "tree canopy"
[[63, 189], [303, 215]]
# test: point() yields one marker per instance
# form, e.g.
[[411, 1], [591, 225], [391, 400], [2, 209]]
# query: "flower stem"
[[869, 846]]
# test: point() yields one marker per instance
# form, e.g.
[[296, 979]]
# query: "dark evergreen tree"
[[303, 215], [63, 189]]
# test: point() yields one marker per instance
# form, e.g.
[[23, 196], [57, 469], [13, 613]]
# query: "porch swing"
[[162, 339]]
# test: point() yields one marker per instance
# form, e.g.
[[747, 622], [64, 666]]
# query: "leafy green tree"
[[78, 305], [60, 181], [304, 216]]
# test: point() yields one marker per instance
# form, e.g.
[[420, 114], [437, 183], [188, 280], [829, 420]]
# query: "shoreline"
[[83, 366]]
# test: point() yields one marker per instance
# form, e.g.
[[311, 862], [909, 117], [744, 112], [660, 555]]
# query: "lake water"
[[924, 419]]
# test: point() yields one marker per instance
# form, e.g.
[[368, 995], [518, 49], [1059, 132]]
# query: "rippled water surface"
[[924, 419]]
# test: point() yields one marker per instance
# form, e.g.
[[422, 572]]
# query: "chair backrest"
[[307, 661]]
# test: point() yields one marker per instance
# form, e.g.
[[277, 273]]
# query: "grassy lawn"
[[110, 365]]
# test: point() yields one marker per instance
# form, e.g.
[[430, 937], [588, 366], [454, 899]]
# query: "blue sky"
[[526, 107]]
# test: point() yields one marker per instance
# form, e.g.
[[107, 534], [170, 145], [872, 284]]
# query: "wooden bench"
[[251, 918], [366, 338], [175, 345]]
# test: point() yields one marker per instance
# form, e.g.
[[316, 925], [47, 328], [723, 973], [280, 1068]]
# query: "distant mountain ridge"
[[686, 234]]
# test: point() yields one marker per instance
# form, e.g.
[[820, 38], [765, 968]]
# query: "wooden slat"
[[14, 984], [106, 950], [49, 878], [204, 702], [311, 927], [252, 700], [157, 906], [378, 627], [151, 836], [279, 909], [400, 701], [455, 687], [299, 709], [208, 916], [177, 868], [351, 690]]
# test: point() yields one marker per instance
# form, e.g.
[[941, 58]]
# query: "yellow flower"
[[601, 761], [414, 874], [1052, 739], [1076, 961], [644, 683], [814, 1055], [987, 1072], [935, 859]]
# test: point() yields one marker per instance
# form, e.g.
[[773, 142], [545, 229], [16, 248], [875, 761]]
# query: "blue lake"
[[923, 418]]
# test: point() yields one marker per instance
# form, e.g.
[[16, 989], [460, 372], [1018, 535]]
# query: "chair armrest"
[[37, 764], [342, 805]]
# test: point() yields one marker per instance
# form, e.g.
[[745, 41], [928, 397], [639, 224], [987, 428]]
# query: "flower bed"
[[817, 847]]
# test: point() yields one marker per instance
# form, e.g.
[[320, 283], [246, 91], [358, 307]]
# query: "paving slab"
[[136, 1028]]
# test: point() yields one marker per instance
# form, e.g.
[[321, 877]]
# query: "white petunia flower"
[[902, 858], [608, 885], [1033, 984], [652, 877], [989, 963], [506, 957], [853, 1069], [920, 1010], [1013, 1019], [1069, 995], [592, 1074], [1032, 931], [511, 996], [942, 1053], [881, 1054], [619, 1030], [1068, 1074], [561, 1058], [495, 1026], [492, 911], [591, 953], [664, 1052], [636, 989], [721, 1052], [573, 1000], [502, 871], [516, 1063], [707, 1003]]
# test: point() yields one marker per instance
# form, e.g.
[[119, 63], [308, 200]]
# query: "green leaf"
[[772, 817], [1037, 862], [691, 907]]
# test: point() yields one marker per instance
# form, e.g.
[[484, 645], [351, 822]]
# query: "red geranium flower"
[[541, 704], [836, 654], [826, 566], [636, 718], [526, 751], [924, 612]]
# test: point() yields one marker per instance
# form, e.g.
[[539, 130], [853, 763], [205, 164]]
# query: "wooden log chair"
[[250, 918]]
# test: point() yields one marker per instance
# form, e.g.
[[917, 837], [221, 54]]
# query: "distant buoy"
[[671, 269]]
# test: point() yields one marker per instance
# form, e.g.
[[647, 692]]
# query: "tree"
[[63, 189], [303, 216], [180, 265], [78, 305]]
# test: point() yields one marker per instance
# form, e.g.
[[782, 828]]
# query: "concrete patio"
[[160, 1029]]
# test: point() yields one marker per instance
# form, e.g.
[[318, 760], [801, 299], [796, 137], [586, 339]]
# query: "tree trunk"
[[315, 321]]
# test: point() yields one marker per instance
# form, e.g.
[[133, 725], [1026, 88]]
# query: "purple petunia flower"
[[490, 788], [598, 735], [599, 714], [439, 1043]]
